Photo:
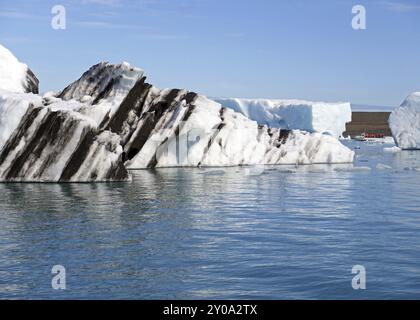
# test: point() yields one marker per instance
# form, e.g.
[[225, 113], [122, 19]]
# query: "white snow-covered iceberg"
[[322, 117], [404, 122], [14, 75]]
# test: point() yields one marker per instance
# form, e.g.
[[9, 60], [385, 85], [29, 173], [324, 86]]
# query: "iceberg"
[[404, 122], [111, 120], [322, 117]]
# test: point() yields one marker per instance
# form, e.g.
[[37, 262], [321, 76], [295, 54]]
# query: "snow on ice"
[[405, 123], [15, 76]]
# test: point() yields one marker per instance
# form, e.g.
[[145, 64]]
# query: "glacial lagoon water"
[[226, 233]]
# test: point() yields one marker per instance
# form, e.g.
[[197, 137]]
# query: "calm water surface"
[[228, 233]]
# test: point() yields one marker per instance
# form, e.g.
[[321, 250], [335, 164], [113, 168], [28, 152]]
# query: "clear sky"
[[230, 48]]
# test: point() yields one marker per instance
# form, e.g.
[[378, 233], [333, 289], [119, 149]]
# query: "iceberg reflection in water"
[[281, 232]]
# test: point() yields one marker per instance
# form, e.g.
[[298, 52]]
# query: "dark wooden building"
[[368, 122]]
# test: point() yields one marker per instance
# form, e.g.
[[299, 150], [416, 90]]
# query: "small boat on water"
[[369, 136]]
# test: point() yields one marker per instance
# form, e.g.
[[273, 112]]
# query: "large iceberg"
[[322, 117], [112, 120], [404, 122]]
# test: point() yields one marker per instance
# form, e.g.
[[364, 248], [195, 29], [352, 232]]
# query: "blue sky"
[[232, 48]]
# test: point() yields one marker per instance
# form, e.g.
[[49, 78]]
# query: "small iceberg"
[[394, 149]]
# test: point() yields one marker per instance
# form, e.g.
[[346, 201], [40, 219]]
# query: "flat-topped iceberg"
[[404, 122], [111, 120], [322, 117]]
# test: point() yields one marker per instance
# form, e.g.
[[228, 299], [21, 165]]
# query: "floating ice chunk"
[[353, 169], [213, 172], [392, 149], [287, 169], [255, 170]]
